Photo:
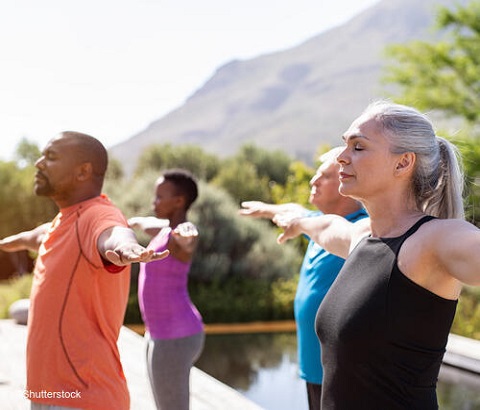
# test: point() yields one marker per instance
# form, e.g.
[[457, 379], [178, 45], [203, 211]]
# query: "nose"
[[39, 162], [314, 179], [342, 157]]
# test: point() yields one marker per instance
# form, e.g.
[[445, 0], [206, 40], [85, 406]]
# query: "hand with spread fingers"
[[126, 255]]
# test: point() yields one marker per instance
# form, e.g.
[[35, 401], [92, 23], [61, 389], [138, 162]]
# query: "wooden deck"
[[206, 392]]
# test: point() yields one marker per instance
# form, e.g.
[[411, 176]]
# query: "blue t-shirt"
[[319, 270]]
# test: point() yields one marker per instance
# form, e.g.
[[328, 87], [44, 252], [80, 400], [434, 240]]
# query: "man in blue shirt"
[[319, 268]]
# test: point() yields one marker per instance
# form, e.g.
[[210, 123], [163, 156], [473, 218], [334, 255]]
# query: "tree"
[[272, 165], [253, 172], [195, 159], [232, 246], [27, 152], [20, 208], [443, 75], [241, 180]]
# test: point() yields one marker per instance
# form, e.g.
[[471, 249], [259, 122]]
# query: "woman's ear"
[[405, 163]]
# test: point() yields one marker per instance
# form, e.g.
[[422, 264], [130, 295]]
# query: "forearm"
[[258, 209], [148, 224], [27, 240], [115, 237], [119, 246], [331, 232]]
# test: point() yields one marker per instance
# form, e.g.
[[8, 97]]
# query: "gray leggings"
[[169, 362]]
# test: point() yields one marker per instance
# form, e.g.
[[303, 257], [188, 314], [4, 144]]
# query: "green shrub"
[[467, 319], [13, 290], [244, 300]]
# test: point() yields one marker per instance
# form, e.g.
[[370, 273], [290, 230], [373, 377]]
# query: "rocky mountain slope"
[[294, 99]]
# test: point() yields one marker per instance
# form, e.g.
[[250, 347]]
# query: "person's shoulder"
[[357, 215], [99, 209], [446, 227]]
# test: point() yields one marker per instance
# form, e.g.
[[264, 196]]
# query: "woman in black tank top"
[[384, 324]]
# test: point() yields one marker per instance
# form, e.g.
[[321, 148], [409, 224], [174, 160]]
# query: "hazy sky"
[[110, 67]]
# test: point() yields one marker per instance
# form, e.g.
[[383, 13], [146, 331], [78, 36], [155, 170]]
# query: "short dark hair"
[[185, 184], [90, 150]]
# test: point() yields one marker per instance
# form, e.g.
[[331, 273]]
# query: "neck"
[[388, 222], [73, 200], [176, 220]]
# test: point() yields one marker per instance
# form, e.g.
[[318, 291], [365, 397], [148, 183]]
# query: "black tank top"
[[383, 336]]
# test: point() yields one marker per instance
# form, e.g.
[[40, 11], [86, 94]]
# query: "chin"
[[346, 190]]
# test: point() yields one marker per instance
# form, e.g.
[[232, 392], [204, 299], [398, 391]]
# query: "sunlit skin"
[[438, 256], [61, 176]]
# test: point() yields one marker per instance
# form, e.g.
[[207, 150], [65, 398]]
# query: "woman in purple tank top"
[[174, 328]]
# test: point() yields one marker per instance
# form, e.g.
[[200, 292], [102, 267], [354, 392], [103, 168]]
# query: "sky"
[[109, 68]]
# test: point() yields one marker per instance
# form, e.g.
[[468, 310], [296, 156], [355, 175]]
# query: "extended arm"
[[148, 224], [27, 240], [119, 246], [259, 209], [332, 232]]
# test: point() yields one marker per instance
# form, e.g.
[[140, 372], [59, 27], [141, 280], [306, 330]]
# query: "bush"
[[244, 300], [13, 290], [234, 246], [467, 319]]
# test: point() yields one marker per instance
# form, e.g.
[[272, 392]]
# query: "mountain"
[[296, 99]]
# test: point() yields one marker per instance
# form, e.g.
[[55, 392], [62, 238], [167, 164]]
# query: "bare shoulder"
[[439, 256], [438, 231], [438, 236]]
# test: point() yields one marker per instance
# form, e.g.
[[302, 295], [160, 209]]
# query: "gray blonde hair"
[[437, 182], [331, 155]]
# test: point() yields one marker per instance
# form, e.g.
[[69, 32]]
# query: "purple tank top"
[[163, 296]]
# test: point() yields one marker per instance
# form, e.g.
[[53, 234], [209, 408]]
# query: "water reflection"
[[263, 368]]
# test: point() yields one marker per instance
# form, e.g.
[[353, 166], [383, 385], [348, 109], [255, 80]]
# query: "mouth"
[[344, 176], [40, 176]]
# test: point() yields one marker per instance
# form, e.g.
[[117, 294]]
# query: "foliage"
[[252, 173], [467, 318], [13, 290], [231, 245], [470, 151], [27, 152], [443, 75], [244, 299], [133, 197], [272, 165], [241, 180], [297, 186], [20, 208], [195, 159], [115, 170]]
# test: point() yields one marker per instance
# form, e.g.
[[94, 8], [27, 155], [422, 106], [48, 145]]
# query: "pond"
[[263, 367]]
